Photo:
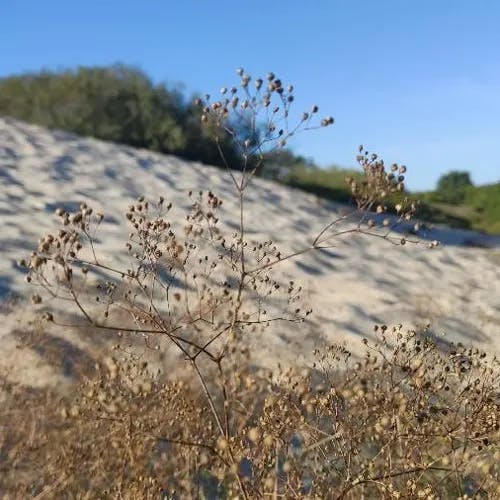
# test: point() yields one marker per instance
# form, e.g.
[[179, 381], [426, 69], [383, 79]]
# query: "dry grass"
[[409, 420]]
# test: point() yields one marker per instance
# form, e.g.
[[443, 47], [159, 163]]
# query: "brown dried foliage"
[[408, 420]]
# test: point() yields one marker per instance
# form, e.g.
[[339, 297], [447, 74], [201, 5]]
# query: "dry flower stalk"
[[407, 421]]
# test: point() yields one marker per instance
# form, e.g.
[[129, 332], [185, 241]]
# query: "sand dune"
[[455, 288]]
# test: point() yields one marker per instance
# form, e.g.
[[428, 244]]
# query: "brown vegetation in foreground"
[[409, 420]]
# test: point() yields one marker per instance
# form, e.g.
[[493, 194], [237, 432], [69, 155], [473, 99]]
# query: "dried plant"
[[407, 421]]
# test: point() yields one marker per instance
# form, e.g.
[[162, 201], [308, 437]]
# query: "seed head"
[[253, 434]]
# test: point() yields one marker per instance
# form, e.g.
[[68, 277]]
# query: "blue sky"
[[417, 81]]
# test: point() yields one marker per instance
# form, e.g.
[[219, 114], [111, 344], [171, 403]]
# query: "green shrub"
[[116, 103], [451, 186], [328, 183], [484, 202]]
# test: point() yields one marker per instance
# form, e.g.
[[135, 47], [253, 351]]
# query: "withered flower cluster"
[[409, 419]]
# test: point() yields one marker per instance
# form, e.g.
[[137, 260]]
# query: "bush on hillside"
[[117, 103], [451, 186], [469, 207], [484, 201]]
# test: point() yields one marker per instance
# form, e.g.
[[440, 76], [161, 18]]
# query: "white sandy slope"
[[363, 281]]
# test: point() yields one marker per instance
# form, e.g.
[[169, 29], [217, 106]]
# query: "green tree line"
[[122, 104], [116, 103]]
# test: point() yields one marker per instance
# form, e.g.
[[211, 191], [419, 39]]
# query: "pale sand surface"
[[360, 282]]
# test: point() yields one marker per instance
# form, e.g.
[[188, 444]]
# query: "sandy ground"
[[362, 281]]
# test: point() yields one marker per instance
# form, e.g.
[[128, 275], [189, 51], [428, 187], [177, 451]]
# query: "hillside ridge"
[[360, 282]]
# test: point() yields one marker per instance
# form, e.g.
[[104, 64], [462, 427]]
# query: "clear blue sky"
[[417, 81]]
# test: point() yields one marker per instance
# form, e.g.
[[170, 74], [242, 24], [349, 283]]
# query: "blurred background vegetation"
[[120, 103]]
